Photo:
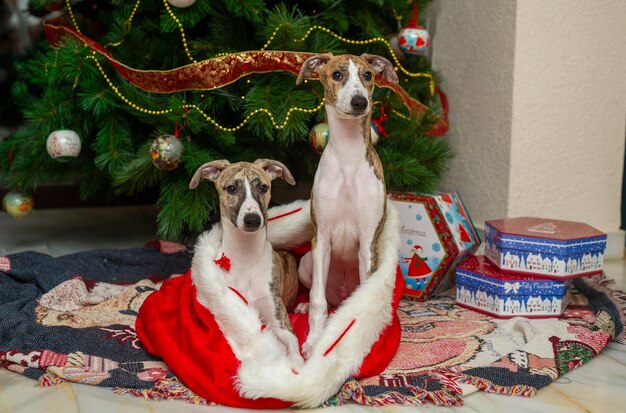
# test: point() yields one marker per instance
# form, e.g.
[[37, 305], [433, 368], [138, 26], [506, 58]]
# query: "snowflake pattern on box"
[[482, 287], [549, 248]]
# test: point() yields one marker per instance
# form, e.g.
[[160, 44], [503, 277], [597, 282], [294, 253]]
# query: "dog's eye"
[[337, 75], [263, 188], [231, 189], [367, 75]]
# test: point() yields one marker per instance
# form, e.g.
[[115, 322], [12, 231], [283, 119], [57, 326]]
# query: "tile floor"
[[595, 387]]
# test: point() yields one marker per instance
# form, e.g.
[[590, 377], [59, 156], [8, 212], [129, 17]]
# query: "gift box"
[[436, 234], [482, 287], [546, 248]]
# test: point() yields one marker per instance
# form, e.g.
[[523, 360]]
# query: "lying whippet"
[[265, 278], [348, 199]]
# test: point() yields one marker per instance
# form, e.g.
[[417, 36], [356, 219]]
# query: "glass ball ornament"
[[181, 4], [414, 40], [166, 152], [17, 204], [63, 145], [318, 137]]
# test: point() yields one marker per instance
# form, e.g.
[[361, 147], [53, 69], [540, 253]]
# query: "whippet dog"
[[264, 278], [348, 199]]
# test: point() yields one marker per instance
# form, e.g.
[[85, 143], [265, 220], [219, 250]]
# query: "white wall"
[[543, 132], [473, 49]]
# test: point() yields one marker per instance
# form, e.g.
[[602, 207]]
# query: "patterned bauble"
[[318, 137], [166, 151], [414, 40], [181, 4], [63, 145], [17, 204]]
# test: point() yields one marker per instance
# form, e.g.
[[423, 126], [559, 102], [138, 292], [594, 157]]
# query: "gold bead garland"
[[127, 24], [182, 31], [71, 13]]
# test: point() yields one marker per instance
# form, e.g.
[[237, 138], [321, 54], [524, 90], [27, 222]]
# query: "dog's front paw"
[[301, 308], [307, 349], [309, 344]]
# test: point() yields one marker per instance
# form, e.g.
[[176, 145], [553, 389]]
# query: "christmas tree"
[[71, 83]]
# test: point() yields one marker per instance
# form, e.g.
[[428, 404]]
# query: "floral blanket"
[[72, 319]]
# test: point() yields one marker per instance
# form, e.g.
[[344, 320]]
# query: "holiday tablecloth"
[[72, 319]]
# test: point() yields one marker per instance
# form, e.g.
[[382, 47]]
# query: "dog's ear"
[[275, 170], [312, 65], [210, 170], [381, 66]]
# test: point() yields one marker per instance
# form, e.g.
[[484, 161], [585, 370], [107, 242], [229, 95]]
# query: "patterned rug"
[[72, 319]]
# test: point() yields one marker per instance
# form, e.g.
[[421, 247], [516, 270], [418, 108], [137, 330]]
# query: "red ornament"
[[414, 39]]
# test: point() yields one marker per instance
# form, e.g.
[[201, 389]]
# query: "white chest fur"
[[251, 265], [348, 197]]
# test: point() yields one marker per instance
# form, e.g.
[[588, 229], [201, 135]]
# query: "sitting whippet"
[[266, 279], [348, 199]]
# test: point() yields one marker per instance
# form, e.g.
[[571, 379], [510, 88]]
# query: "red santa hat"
[[215, 343]]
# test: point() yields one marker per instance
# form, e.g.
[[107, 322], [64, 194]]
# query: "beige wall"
[[473, 49], [537, 92]]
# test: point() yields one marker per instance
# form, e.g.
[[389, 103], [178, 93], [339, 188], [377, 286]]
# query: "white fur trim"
[[291, 230], [265, 369]]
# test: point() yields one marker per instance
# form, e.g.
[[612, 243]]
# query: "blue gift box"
[[545, 248], [481, 286]]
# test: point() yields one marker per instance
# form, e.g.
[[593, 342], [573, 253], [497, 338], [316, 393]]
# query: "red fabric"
[[173, 325]]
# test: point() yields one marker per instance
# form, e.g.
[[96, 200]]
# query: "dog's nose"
[[359, 103], [252, 221]]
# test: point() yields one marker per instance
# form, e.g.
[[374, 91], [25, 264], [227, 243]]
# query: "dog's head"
[[244, 189], [348, 80]]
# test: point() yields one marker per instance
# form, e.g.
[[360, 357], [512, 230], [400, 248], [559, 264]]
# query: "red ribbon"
[[413, 22], [379, 122], [223, 262], [177, 130], [285, 214], [332, 346], [209, 74]]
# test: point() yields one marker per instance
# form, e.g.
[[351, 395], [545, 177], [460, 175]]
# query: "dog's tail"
[[348, 338]]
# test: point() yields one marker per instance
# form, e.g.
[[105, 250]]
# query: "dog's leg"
[[318, 307], [305, 269], [305, 275], [274, 314], [284, 333], [368, 250]]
